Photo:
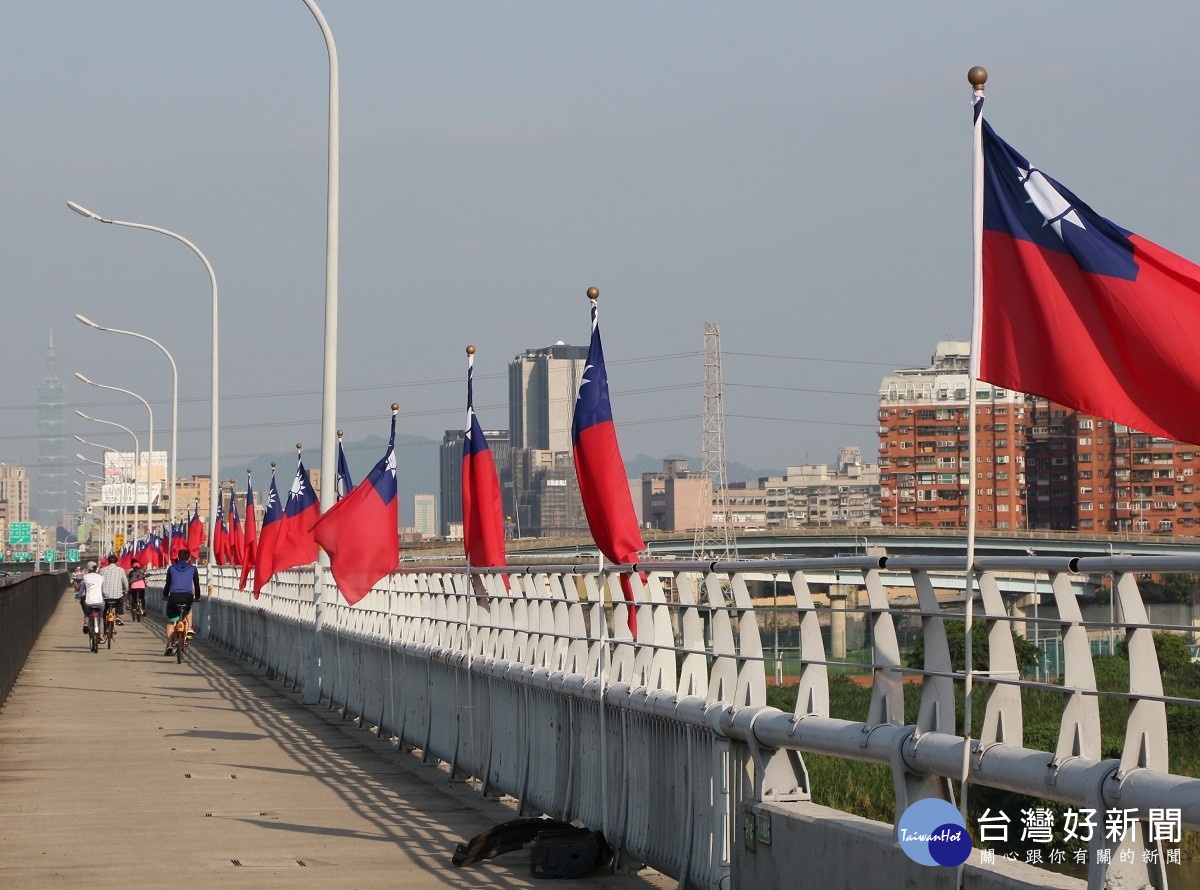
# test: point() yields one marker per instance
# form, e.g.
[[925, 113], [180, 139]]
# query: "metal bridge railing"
[[530, 681]]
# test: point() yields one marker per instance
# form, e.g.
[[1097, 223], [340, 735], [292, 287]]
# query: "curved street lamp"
[[212, 277], [174, 394], [105, 519], [149, 446], [136, 459], [322, 593]]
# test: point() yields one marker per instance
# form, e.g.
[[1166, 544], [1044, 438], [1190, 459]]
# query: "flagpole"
[[977, 77], [601, 586]]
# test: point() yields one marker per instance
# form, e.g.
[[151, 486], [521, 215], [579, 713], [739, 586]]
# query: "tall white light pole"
[[150, 445], [312, 692], [174, 395], [137, 449], [104, 519], [214, 488]]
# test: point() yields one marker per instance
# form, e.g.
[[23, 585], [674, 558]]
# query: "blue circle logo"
[[932, 832]]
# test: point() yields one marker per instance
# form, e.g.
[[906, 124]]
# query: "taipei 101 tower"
[[51, 499]]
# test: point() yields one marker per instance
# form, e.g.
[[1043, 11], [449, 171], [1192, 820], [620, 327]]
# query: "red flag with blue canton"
[[296, 545], [1079, 310], [249, 538], [603, 484], [264, 563], [195, 535], [220, 547], [236, 540], [360, 532], [345, 484], [482, 505]]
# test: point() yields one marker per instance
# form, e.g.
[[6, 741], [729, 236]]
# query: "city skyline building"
[[450, 460], [678, 499], [14, 493], [425, 514], [542, 388], [924, 441], [818, 496], [1090, 474]]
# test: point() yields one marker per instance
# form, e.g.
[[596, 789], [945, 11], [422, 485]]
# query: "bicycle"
[[181, 628], [95, 626], [177, 628], [137, 605], [110, 624]]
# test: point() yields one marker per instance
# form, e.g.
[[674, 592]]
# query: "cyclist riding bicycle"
[[180, 591], [116, 585], [137, 588], [91, 592]]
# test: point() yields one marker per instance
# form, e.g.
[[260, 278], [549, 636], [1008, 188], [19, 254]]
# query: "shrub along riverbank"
[[867, 790]]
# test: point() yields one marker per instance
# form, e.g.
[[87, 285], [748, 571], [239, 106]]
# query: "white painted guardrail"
[[502, 675]]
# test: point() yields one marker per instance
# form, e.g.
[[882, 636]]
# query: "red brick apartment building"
[[925, 476], [1092, 474], [1038, 464]]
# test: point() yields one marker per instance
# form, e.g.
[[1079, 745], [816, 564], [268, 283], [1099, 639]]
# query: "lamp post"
[[104, 521], [136, 458], [312, 692], [174, 395], [212, 277], [150, 445]]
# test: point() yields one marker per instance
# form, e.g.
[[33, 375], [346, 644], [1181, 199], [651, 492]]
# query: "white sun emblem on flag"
[[1049, 201]]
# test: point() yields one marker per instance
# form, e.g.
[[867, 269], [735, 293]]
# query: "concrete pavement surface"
[[125, 769]]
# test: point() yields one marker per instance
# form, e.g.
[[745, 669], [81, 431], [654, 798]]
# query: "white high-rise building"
[[425, 514], [14, 491]]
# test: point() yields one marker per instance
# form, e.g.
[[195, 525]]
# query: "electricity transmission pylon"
[[714, 536]]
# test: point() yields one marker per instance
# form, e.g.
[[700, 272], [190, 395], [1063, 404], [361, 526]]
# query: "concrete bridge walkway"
[[125, 769]]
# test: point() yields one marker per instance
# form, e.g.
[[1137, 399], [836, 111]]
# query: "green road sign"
[[20, 533], [48, 555], [73, 555]]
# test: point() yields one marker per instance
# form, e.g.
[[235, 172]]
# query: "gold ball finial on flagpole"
[[341, 433], [593, 293], [272, 465], [298, 446], [395, 407], [977, 77], [470, 350]]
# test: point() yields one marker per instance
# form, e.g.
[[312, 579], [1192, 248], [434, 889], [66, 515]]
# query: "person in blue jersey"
[[181, 589]]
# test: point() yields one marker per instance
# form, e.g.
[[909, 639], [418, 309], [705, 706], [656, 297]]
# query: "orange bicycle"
[[177, 629]]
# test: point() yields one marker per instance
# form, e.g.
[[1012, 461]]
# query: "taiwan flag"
[[194, 539], [1076, 309], [360, 532], [345, 484], [237, 541], [220, 546], [250, 537], [296, 545], [482, 505], [264, 563], [600, 470]]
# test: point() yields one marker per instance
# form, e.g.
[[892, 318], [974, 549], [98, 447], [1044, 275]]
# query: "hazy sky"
[[797, 172]]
